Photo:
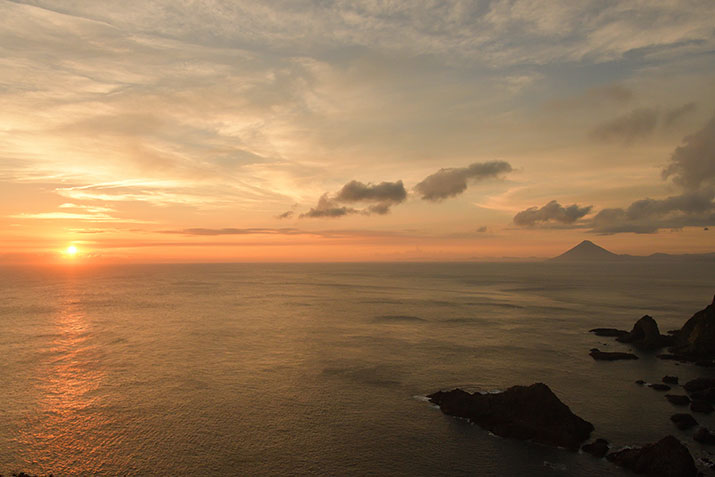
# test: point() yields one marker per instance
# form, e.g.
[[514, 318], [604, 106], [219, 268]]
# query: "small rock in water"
[[701, 406], [668, 458], [670, 379], [683, 421], [678, 399], [659, 387], [699, 384], [640, 382], [599, 355], [597, 448], [704, 436], [612, 332]]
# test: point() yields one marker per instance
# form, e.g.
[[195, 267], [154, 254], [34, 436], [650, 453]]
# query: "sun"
[[71, 250]]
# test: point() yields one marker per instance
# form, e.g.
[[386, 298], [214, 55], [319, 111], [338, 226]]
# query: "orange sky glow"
[[175, 131]]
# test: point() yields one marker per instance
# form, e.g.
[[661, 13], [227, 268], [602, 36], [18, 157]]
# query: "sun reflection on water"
[[67, 427]]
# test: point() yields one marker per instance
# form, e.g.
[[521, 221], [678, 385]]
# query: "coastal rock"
[[699, 384], [610, 356], [659, 387], [698, 405], [645, 335], [704, 395], [597, 448], [683, 421], [640, 382], [610, 332], [678, 399], [704, 436], [666, 458], [696, 339], [521, 412], [670, 379]]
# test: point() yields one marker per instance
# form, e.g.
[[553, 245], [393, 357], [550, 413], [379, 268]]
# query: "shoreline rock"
[[646, 335], [521, 412], [668, 458], [598, 448]]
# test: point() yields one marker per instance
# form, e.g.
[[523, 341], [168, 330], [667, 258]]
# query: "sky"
[[214, 131]]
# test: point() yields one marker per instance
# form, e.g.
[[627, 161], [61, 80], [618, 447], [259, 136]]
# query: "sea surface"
[[322, 369]]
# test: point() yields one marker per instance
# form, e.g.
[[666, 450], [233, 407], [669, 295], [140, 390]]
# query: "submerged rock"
[[696, 339], [683, 421], [521, 412], [670, 379], [610, 332], [610, 356], [645, 335], [659, 387], [678, 399], [666, 458], [598, 448]]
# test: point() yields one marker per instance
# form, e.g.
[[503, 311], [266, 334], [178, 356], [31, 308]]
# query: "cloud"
[[451, 182], [637, 124], [674, 114], [286, 215], [649, 215], [328, 207], [692, 164], [482, 229], [385, 194], [551, 212]]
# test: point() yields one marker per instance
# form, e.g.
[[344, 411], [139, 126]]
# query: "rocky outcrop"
[[666, 458], [696, 339], [659, 387], [646, 335], [598, 448], [521, 412], [670, 379], [610, 356], [678, 399], [683, 421], [609, 332], [699, 384]]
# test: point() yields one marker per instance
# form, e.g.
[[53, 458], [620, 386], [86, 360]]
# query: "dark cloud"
[[453, 181], [285, 215], [673, 115], [482, 229], [694, 208], [550, 213], [692, 165], [328, 207], [637, 124], [385, 194]]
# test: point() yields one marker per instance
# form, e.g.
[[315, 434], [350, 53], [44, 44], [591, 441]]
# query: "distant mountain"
[[586, 251]]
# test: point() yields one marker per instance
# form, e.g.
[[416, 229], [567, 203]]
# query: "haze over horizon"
[[359, 131]]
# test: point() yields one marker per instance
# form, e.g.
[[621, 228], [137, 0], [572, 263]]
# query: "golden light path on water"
[[69, 427]]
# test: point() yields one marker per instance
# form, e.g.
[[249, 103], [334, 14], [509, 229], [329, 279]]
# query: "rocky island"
[[521, 412]]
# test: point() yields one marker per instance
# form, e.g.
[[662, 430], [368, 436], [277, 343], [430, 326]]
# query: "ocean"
[[322, 369]]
